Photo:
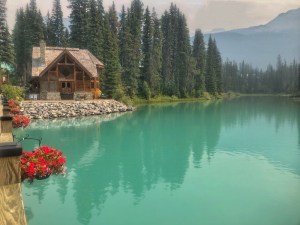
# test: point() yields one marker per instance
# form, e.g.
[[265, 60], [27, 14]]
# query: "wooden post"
[[12, 206], [6, 124], [75, 79], [57, 88], [48, 82], [83, 81]]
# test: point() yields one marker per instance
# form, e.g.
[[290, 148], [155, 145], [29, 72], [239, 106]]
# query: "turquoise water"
[[233, 162]]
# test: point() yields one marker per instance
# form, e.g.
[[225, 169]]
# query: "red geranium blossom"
[[42, 162], [20, 121]]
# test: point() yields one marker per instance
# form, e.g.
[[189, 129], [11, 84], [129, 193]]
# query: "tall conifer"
[[95, 37], [199, 55], [210, 73], [79, 23], [6, 51], [112, 72], [155, 81], [56, 24]]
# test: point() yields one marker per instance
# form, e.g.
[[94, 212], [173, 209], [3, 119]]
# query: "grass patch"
[[167, 99]]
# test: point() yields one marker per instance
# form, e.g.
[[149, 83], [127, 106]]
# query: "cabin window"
[[66, 71], [92, 85], [63, 85], [68, 85]]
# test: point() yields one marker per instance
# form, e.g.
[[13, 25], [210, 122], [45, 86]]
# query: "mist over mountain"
[[260, 45]]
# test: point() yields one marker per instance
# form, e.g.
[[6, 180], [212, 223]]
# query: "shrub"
[[97, 93], [146, 92], [206, 96], [12, 92]]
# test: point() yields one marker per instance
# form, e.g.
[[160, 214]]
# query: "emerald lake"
[[230, 162]]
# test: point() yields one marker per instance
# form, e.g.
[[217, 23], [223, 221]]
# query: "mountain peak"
[[260, 45], [287, 21]]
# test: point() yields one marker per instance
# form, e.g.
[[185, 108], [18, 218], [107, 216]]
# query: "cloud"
[[204, 14], [236, 14]]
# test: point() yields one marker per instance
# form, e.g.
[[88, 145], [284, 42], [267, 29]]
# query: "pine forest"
[[145, 54]]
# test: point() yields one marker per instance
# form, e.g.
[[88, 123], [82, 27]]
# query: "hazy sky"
[[204, 14]]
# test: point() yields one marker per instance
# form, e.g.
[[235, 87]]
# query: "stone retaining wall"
[[43, 110], [50, 95], [83, 95]]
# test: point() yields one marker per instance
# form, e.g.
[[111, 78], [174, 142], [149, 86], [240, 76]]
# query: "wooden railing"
[[11, 202]]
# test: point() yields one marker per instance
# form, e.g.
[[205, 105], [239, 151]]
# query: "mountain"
[[260, 45]]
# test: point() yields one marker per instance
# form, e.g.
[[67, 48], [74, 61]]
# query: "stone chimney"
[[43, 52]]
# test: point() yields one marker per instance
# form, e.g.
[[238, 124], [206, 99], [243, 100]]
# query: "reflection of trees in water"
[[242, 110], [29, 213], [155, 144], [297, 110]]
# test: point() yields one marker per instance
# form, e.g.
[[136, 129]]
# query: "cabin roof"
[[82, 56]]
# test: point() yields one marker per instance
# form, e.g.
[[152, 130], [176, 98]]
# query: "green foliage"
[[96, 29], [29, 29], [112, 72], [79, 23], [55, 27], [144, 56], [213, 68], [147, 45], [12, 92], [199, 56], [6, 50], [176, 52], [131, 68], [155, 81], [243, 78], [205, 95], [119, 95], [146, 92]]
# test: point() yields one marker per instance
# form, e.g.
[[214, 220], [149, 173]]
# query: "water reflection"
[[156, 144]]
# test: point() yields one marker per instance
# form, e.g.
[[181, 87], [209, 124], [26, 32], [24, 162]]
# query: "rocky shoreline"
[[65, 109]]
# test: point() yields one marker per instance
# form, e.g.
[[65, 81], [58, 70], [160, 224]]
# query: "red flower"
[[41, 162], [20, 121]]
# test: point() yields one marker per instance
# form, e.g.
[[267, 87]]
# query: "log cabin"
[[64, 73]]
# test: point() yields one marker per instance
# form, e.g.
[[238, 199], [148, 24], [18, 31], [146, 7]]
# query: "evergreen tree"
[[101, 12], [79, 23], [21, 44], [299, 77], [155, 81], [210, 72], [66, 38], [36, 27], [167, 76], [217, 61], [49, 37], [184, 81], [176, 53], [132, 68], [147, 46], [112, 72], [123, 38], [95, 43], [6, 51], [56, 25], [199, 55], [28, 31], [113, 19], [125, 52], [278, 87]]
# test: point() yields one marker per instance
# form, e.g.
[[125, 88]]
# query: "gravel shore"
[[65, 109]]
